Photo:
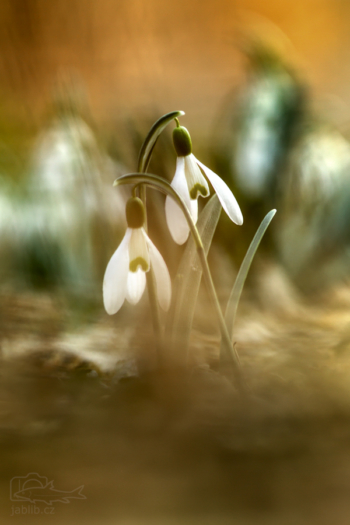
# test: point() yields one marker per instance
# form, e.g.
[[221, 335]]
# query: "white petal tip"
[[114, 281], [162, 277], [176, 221], [226, 197], [110, 308], [109, 312], [180, 240]]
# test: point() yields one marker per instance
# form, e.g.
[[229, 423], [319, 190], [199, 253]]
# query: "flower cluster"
[[125, 276]]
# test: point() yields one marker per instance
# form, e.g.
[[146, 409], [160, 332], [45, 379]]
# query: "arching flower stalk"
[[190, 183]]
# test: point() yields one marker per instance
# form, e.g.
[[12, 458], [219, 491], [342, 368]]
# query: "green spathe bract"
[[152, 137]]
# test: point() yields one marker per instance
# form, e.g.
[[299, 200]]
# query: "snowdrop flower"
[[125, 276], [190, 183]]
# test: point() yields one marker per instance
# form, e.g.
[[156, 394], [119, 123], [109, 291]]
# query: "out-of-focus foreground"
[[265, 91]]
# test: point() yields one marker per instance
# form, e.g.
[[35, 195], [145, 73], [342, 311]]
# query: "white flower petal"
[[175, 218], [176, 221], [136, 283], [161, 275], [138, 251], [115, 278], [179, 182], [226, 197], [197, 185]]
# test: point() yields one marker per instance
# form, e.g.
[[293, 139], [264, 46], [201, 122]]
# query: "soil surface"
[[81, 404]]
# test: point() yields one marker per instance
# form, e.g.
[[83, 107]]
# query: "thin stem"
[[157, 325], [152, 293], [163, 186], [142, 166], [142, 191]]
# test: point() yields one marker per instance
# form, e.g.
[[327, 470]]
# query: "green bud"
[[182, 141], [135, 213]]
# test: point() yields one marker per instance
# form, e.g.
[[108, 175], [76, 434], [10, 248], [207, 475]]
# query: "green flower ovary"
[[182, 141], [135, 213]]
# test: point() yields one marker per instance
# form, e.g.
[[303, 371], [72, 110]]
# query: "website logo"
[[34, 488]]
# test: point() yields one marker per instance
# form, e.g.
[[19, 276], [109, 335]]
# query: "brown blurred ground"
[[173, 448]]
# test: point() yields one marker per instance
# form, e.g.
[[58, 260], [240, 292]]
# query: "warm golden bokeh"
[[134, 54]]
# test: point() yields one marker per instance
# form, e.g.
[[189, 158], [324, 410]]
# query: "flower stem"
[[152, 295], [142, 166], [163, 186]]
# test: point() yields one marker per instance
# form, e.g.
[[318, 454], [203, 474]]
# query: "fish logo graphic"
[[34, 489]]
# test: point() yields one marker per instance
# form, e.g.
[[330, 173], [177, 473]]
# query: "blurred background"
[[134, 55], [265, 89], [265, 85]]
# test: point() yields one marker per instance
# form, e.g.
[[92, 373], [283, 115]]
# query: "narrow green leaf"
[[187, 282], [152, 137], [232, 305]]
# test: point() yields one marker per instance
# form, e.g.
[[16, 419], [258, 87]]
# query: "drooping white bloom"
[[125, 276], [190, 183]]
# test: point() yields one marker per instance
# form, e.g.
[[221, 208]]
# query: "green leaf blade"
[[232, 304]]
